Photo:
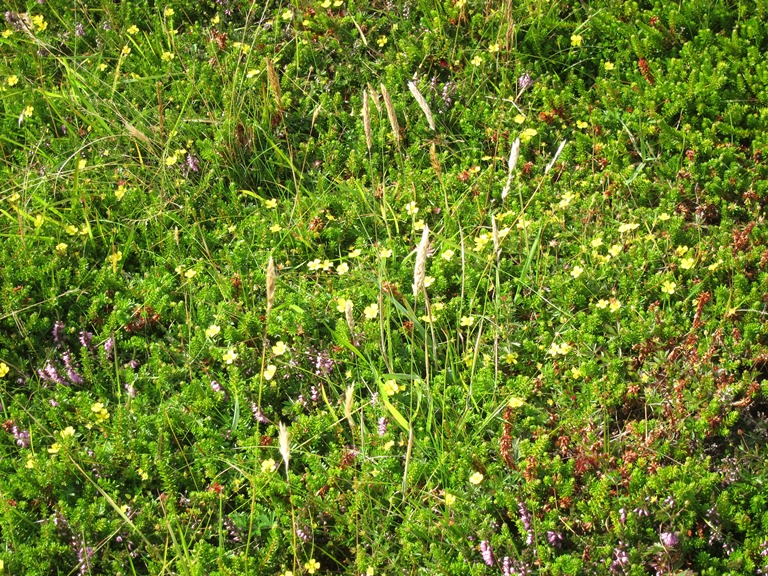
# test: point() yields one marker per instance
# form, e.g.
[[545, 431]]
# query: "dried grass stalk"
[[513, 154], [350, 318], [420, 268], [434, 160], [556, 156], [375, 97], [495, 235], [391, 113], [367, 121], [348, 398], [274, 82], [422, 104], [271, 275], [285, 444]]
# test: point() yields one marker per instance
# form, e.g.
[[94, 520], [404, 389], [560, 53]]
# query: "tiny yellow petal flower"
[[312, 566], [477, 60], [576, 40], [212, 330], [687, 263], [30, 463], [168, 12], [125, 51], [370, 570], [61, 248], [602, 304], [171, 160], [133, 29], [493, 48], [614, 305], [167, 56], [476, 478], [315, 265], [615, 250], [428, 281], [467, 320], [450, 499], [382, 41], [391, 387], [287, 14], [596, 242], [68, 432], [326, 265], [581, 125], [342, 268], [355, 253], [411, 208], [269, 372], [279, 348], [190, 273], [577, 271], [385, 253], [664, 216], [3, 369], [341, 304], [270, 204], [268, 465], [54, 449], [447, 255], [515, 402], [12, 80], [326, 4], [275, 228], [71, 229], [230, 356], [527, 134], [609, 66], [668, 287], [519, 119], [120, 192]]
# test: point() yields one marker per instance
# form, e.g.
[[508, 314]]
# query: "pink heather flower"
[[669, 539], [58, 332], [258, 414], [485, 550], [109, 345], [382, 426], [86, 339]]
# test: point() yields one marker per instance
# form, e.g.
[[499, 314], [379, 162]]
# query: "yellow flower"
[[428, 281], [7, 33], [581, 125], [326, 4], [68, 432], [668, 287], [342, 268], [102, 414], [355, 252], [628, 227], [609, 66], [602, 303], [312, 566], [450, 499], [527, 134], [61, 248], [171, 160], [113, 259], [467, 321], [4, 369], [596, 242], [687, 263], [30, 463], [577, 271], [326, 265], [576, 372], [388, 445], [341, 304], [71, 229], [125, 51], [385, 253], [275, 228], [315, 265], [477, 60], [190, 273], [411, 208], [167, 56], [419, 225], [120, 192], [287, 14], [279, 348], [664, 216], [476, 478], [370, 570], [251, 73], [133, 29], [39, 23], [576, 40], [12, 80], [614, 305], [515, 402], [215, 20], [447, 255], [519, 119], [715, 265], [615, 250], [168, 12], [493, 48], [54, 449], [230, 356], [382, 41], [268, 465], [511, 358], [269, 372], [142, 474], [212, 330], [391, 387], [271, 203]]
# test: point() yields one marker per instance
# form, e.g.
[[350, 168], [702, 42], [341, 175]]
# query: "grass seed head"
[[271, 275], [391, 113], [420, 268], [367, 121], [285, 444], [422, 104]]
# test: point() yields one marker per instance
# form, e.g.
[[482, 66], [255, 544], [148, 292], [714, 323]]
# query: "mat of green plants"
[[383, 287]]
